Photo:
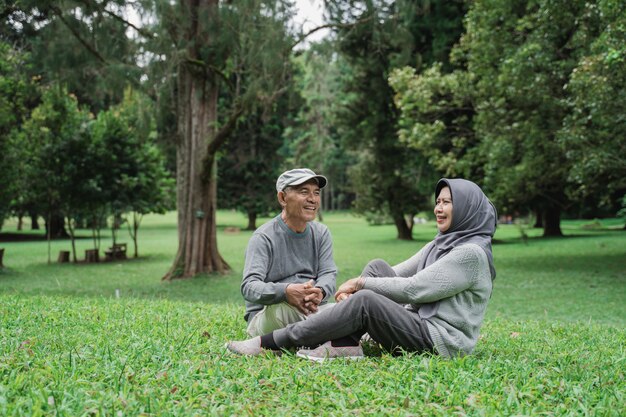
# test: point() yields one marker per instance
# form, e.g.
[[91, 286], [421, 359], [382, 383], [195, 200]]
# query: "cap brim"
[[321, 180]]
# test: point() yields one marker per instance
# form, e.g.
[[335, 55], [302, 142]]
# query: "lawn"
[[553, 342]]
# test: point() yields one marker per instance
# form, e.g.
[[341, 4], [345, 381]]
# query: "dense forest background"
[[110, 110]]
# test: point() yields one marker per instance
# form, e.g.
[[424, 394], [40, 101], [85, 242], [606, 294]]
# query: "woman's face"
[[443, 210]]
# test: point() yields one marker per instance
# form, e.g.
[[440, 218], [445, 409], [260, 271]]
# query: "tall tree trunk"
[[133, 229], [404, 232], [251, 220], [538, 219], [73, 238], [196, 175], [34, 224], [55, 226], [552, 222]]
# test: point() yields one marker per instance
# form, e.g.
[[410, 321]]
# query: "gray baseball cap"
[[298, 176]]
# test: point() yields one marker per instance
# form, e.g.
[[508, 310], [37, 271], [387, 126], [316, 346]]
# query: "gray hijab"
[[474, 220]]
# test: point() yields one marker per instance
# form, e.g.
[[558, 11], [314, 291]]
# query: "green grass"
[[553, 342]]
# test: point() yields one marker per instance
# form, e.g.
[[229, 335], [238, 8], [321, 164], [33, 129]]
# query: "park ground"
[[113, 339]]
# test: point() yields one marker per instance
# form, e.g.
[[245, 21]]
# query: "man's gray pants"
[[390, 324]]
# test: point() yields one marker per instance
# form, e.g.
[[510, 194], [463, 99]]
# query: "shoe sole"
[[319, 360]]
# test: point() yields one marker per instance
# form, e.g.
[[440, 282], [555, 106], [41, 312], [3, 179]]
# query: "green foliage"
[[138, 180], [594, 129], [243, 46], [525, 58], [71, 44], [381, 36], [51, 146], [131, 172], [250, 165], [68, 346], [18, 95], [311, 138], [437, 118], [521, 55], [535, 111], [78, 168]]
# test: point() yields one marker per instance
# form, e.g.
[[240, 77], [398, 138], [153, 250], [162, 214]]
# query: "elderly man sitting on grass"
[[289, 271]]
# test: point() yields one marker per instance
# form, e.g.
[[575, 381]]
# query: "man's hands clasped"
[[305, 297]]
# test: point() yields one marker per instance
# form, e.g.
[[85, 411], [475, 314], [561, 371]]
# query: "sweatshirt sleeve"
[[327, 272], [408, 268], [257, 265], [450, 275]]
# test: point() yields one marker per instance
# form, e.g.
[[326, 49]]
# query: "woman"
[[433, 302]]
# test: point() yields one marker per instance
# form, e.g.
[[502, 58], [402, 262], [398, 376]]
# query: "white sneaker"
[[329, 352]]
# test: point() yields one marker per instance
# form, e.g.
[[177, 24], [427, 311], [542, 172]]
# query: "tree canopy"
[[515, 113], [526, 98]]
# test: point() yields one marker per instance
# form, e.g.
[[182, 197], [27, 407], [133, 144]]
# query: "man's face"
[[302, 201]]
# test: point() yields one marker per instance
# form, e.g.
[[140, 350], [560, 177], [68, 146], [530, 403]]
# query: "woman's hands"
[[348, 288]]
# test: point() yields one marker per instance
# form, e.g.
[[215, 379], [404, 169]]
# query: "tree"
[[241, 46], [205, 46], [78, 185], [437, 114], [374, 37], [250, 165], [18, 94], [534, 106], [151, 188], [132, 177], [522, 55], [311, 137], [83, 45], [47, 143], [80, 45], [593, 132]]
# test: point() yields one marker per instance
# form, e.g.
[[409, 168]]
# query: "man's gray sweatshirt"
[[277, 256]]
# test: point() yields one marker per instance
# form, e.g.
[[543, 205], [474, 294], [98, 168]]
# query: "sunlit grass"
[[553, 342]]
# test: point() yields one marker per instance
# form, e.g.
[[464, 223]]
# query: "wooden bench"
[[117, 251]]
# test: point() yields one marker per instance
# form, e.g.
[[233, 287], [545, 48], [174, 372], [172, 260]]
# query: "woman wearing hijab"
[[434, 301]]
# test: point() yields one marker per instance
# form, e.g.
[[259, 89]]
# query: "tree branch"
[[72, 29], [223, 133], [219, 139], [141, 31], [329, 26], [204, 65]]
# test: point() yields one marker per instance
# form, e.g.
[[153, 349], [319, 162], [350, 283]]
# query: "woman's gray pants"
[[390, 324]]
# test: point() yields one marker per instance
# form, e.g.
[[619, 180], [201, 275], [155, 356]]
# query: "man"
[[289, 271]]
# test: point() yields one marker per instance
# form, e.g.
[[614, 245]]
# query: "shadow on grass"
[[133, 277], [35, 237], [596, 233], [580, 263]]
